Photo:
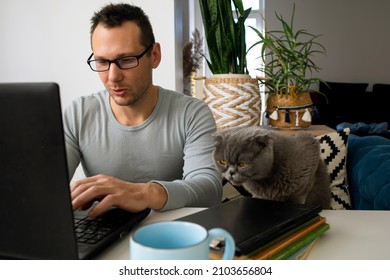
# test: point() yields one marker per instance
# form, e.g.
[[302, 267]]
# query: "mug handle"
[[230, 246]]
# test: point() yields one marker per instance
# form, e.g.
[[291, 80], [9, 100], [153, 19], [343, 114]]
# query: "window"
[[255, 19]]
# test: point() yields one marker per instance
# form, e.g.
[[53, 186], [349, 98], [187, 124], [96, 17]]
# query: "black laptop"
[[254, 222], [36, 217]]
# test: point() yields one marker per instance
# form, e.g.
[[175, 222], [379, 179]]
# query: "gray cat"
[[273, 166]]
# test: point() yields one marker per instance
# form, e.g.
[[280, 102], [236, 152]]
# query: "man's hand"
[[110, 191]]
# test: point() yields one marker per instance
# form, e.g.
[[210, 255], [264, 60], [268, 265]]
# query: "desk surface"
[[353, 235]]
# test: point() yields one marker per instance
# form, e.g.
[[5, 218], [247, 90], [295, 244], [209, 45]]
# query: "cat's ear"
[[262, 140], [217, 136]]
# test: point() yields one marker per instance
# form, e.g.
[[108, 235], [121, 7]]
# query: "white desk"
[[353, 235]]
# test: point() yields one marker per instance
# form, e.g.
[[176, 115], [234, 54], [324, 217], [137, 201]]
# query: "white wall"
[[356, 34], [48, 40]]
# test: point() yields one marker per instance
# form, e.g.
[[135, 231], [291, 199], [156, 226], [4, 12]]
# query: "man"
[[140, 146]]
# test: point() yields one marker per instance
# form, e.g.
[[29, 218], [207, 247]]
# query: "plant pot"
[[290, 111], [234, 100]]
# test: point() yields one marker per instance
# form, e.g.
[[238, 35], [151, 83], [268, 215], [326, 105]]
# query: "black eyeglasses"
[[125, 62]]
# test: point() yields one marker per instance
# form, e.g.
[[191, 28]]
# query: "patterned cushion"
[[334, 153]]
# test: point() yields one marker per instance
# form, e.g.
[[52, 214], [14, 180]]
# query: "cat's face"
[[242, 154]]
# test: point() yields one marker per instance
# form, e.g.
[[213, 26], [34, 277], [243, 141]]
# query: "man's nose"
[[115, 73]]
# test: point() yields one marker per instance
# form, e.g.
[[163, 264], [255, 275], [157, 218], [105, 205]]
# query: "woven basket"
[[234, 100], [289, 111]]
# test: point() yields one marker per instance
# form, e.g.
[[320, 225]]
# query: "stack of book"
[[294, 244], [264, 229]]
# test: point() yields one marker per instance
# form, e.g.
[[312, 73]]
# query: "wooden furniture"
[[316, 130]]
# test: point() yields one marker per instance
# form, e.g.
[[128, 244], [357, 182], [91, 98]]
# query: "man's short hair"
[[113, 15]]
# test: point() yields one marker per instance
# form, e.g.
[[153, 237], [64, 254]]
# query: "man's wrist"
[[158, 196]]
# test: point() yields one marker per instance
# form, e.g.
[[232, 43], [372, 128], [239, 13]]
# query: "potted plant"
[[232, 94], [288, 69], [192, 61]]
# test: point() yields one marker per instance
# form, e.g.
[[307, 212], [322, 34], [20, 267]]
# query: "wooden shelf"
[[316, 130]]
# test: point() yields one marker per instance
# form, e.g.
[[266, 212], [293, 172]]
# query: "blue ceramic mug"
[[177, 240]]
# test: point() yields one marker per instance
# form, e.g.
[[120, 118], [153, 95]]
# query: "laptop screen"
[[35, 205]]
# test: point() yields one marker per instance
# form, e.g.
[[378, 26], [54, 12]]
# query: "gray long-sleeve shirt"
[[172, 147]]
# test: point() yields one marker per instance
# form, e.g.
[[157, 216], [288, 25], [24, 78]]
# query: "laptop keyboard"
[[92, 230]]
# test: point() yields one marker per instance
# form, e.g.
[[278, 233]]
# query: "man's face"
[[126, 87]]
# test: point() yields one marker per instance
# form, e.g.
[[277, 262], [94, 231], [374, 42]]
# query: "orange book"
[[271, 250]]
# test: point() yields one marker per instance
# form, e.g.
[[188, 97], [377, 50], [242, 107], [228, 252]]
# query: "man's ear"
[[156, 55]]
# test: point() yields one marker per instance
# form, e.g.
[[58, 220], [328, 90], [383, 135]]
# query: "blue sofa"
[[368, 172]]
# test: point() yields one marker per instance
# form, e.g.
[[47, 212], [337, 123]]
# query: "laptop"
[[254, 222], [36, 216]]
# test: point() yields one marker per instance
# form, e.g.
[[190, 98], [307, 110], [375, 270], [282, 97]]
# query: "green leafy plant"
[[287, 57], [225, 36]]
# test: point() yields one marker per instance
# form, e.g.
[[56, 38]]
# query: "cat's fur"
[[273, 166]]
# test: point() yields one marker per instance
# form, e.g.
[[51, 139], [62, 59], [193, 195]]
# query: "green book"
[[285, 235], [298, 245]]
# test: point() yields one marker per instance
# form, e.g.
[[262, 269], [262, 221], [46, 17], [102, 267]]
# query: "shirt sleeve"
[[71, 138], [201, 185]]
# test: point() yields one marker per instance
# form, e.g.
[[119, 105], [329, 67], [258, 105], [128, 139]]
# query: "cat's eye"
[[223, 162], [241, 164]]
